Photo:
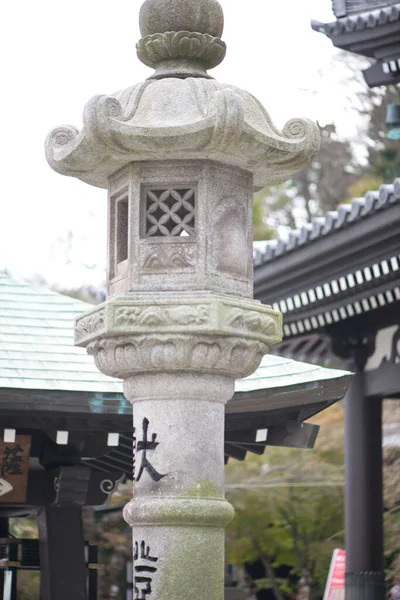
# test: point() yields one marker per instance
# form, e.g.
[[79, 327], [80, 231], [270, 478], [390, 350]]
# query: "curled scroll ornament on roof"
[[171, 118]]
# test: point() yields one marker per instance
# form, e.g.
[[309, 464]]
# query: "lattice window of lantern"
[[169, 212], [122, 225]]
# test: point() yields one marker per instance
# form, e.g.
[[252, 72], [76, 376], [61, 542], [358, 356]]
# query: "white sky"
[[56, 55]]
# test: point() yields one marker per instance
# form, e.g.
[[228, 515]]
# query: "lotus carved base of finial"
[[181, 53]]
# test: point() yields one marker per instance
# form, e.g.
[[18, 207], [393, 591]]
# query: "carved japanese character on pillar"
[[144, 570], [145, 445]]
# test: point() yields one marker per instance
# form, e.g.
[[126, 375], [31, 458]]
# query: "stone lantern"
[[180, 155]]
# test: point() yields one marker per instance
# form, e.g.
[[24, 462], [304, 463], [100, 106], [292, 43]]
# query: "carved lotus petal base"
[[206, 333], [180, 48], [229, 356]]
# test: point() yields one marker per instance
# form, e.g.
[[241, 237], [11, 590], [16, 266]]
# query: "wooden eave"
[[340, 271], [329, 256], [42, 414]]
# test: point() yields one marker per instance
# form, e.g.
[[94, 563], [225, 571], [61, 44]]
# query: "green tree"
[[324, 184], [369, 107], [261, 229], [383, 153], [338, 173], [391, 472], [316, 189], [289, 509]]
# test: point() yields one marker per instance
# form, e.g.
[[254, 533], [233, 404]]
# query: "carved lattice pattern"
[[169, 212]]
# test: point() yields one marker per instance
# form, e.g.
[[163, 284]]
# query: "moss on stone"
[[203, 489], [194, 566]]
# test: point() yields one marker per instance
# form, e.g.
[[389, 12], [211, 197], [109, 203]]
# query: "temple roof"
[[368, 19], [338, 268], [37, 342], [345, 217], [341, 8], [47, 384], [372, 31], [37, 350]]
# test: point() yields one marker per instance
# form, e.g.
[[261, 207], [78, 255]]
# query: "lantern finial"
[[181, 38]]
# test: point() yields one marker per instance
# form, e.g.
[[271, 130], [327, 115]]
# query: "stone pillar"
[[179, 357], [180, 155], [178, 513]]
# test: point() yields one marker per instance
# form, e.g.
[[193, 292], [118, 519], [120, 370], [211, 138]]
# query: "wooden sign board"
[[14, 466]]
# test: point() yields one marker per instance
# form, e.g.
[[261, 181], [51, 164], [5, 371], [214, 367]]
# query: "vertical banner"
[[14, 466], [8, 577], [335, 585]]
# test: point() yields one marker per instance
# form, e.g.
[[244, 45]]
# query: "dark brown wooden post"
[[93, 559], [363, 494], [3, 534], [63, 574]]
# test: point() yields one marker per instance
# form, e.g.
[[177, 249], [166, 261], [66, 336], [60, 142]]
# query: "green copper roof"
[[37, 342], [277, 371], [37, 351]]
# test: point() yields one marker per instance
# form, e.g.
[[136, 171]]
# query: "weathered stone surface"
[[181, 516], [180, 155], [202, 16], [187, 225], [206, 333], [181, 54], [180, 313], [205, 118], [190, 561], [181, 38]]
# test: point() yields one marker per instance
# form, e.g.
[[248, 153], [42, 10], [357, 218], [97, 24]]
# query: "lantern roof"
[[180, 111]]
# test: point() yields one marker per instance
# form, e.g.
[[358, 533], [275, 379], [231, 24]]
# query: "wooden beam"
[[363, 494], [234, 451], [72, 489], [383, 382], [371, 240], [293, 434]]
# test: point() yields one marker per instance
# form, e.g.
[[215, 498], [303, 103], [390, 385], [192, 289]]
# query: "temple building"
[[337, 282], [370, 28]]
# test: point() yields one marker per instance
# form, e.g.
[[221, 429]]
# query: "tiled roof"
[[37, 350], [359, 22], [37, 342], [279, 371], [346, 216]]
